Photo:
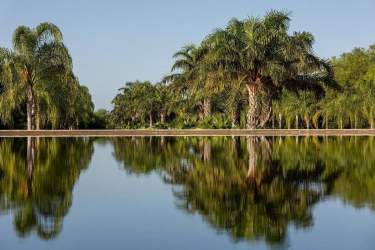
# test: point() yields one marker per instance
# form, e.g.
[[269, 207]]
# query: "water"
[[187, 193]]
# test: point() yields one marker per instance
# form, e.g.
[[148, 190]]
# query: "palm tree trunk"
[[253, 112], [296, 121], [236, 115], [280, 121], [201, 110], [233, 122], [150, 118], [206, 151], [162, 118], [30, 162], [206, 108], [236, 142], [37, 119], [252, 151], [30, 106]]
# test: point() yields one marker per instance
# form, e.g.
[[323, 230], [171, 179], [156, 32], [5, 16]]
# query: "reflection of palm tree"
[[40, 195], [218, 187], [30, 156], [252, 147], [205, 146]]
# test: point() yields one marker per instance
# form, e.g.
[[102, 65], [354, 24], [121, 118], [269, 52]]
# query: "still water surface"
[[187, 193]]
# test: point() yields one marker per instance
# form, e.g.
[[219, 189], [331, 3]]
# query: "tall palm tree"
[[191, 77], [38, 63], [263, 57]]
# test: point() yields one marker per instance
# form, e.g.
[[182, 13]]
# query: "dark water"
[[187, 193]]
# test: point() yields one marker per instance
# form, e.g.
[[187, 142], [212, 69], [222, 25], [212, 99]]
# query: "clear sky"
[[113, 42]]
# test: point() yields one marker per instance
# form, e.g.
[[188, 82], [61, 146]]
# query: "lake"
[[187, 193]]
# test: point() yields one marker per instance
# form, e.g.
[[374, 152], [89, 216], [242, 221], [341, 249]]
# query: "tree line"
[[231, 78], [253, 73]]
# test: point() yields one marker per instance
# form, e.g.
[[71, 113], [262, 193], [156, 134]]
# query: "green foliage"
[[350, 105], [247, 187], [37, 177], [252, 73], [140, 104], [100, 119], [353, 106], [236, 70], [255, 188], [37, 81]]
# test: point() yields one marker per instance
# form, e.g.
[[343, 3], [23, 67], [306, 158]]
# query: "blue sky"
[[113, 42]]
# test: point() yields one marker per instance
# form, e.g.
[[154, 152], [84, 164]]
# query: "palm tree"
[[38, 63], [263, 57], [164, 101], [290, 107], [277, 114], [138, 102], [339, 109], [307, 106], [367, 92], [83, 108], [234, 102], [191, 77]]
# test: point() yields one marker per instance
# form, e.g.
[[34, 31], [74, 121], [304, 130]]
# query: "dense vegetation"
[[236, 71], [253, 74], [37, 86]]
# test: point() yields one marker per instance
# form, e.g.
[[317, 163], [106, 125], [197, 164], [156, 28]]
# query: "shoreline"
[[186, 132]]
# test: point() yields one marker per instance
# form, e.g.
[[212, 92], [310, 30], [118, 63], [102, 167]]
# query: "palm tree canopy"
[[38, 71]]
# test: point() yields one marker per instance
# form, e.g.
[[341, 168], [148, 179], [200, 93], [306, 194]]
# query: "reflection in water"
[[37, 177], [254, 188]]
